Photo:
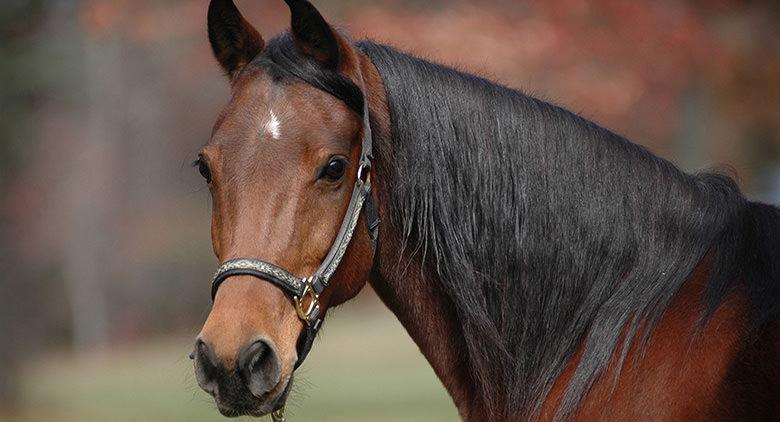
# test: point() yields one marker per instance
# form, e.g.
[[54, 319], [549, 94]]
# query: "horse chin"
[[254, 406]]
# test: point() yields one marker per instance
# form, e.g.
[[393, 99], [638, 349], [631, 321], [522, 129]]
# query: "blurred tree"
[[92, 197], [19, 93]]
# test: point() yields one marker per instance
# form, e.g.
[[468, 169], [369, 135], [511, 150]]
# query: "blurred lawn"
[[363, 367]]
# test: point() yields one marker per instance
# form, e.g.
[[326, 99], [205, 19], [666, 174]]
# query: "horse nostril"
[[205, 367], [260, 367]]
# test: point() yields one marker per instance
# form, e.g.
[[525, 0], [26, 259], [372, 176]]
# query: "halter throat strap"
[[305, 291]]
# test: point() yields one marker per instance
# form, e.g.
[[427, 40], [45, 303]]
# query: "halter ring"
[[364, 171]]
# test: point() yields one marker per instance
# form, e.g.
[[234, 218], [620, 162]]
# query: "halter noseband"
[[305, 292]]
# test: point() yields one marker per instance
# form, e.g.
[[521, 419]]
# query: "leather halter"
[[305, 291]]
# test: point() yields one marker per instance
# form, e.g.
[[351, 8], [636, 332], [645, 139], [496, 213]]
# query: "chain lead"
[[278, 415]]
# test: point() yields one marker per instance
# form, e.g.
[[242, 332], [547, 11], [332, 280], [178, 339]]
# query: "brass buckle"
[[314, 302]]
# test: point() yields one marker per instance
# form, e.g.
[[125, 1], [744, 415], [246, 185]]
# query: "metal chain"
[[278, 415]]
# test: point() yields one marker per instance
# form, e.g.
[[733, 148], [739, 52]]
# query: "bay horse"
[[547, 268]]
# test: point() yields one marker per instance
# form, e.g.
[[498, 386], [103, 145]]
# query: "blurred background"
[[104, 226]]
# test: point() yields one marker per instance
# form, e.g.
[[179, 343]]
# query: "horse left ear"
[[313, 36]]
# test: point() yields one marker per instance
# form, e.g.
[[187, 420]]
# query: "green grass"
[[363, 367]]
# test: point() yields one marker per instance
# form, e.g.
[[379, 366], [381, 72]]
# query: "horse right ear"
[[235, 41]]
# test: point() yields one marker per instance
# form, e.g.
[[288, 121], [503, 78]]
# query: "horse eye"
[[203, 169], [335, 169]]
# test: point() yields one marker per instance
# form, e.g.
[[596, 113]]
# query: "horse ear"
[[235, 41], [313, 36]]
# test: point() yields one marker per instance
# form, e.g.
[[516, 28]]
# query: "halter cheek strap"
[[305, 292]]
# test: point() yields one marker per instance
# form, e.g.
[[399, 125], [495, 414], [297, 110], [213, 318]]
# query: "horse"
[[547, 268]]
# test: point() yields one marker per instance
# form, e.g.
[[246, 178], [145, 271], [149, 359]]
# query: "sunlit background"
[[104, 236]]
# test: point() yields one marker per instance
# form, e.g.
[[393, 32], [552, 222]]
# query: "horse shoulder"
[[680, 374]]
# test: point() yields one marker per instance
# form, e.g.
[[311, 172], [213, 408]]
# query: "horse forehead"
[[263, 110], [253, 96], [252, 110]]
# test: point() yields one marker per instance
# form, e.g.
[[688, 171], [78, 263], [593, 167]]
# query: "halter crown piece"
[[305, 291]]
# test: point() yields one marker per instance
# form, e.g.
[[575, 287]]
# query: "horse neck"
[[414, 295], [428, 316]]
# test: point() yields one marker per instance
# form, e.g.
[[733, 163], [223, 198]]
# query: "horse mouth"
[[249, 405]]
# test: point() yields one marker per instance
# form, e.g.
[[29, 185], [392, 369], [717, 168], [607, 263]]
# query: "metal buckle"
[[314, 302]]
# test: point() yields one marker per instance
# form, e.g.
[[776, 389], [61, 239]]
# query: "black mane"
[[545, 229]]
